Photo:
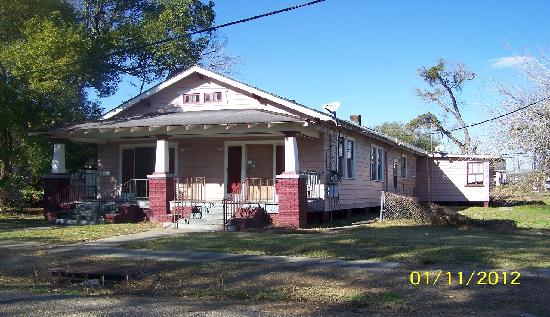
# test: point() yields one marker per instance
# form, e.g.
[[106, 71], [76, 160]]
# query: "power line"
[[168, 39], [499, 116]]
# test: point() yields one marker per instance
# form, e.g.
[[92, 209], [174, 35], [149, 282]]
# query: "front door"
[[234, 161]]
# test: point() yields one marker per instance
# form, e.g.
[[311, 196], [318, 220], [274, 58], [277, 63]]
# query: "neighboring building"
[[201, 140], [455, 178]]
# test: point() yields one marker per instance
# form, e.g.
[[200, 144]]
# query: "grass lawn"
[[401, 241], [526, 216], [30, 225], [287, 290]]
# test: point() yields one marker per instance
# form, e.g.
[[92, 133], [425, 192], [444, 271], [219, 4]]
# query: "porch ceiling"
[[192, 123]]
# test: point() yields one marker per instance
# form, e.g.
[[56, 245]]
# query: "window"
[[474, 173], [340, 166], [377, 163], [346, 158], [350, 159], [191, 98], [403, 166], [213, 97], [413, 172]]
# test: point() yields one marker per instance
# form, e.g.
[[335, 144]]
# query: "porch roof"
[[224, 121]]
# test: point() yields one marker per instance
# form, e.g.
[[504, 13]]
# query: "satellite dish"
[[332, 107]]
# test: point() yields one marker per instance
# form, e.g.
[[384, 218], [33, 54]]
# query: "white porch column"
[[162, 156], [292, 164], [58, 159]]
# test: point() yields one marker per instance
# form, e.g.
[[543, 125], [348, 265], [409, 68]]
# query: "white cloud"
[[508, 61]]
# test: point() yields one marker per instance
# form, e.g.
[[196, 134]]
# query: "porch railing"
[[137, 188], [190, 189], [82, 187], [258, 190], [255, 191], [313, 184]]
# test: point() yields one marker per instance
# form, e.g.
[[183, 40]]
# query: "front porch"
[[182, 179]]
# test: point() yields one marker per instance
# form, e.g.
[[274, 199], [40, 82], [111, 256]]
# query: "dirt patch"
[[287, 290]]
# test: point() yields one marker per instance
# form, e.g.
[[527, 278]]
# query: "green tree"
[[53, 51], [445, 82], [416, 136]]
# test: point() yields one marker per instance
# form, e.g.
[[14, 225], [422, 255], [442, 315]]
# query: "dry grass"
[[300, 291]]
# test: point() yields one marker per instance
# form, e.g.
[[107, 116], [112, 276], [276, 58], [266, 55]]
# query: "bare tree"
[[445, 81], [528, 130]]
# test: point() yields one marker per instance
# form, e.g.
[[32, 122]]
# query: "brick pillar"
[[292, 193], [53, 184], [161, 192]]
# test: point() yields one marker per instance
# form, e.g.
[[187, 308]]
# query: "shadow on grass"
[[17, 224], [419, 244], [219, 286]]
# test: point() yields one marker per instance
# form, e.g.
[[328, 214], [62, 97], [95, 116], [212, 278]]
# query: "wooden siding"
[[204, 157], [448, 181], [362, 191], [107, 161], [171, 98]]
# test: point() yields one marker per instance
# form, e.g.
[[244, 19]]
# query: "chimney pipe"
[[355, 118]]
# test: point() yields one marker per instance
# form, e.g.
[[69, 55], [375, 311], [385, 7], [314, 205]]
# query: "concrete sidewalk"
[[202, 257], [112, 247]]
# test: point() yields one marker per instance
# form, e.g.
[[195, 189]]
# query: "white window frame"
[[413, 171], [406, 160], [189, 94], [476, 174], [213, 93], [380, 162]]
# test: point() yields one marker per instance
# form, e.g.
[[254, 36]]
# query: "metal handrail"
[[313, 184]]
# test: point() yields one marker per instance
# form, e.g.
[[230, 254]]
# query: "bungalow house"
[[203, 143]]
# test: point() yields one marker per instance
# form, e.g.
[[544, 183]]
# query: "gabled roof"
[[224, 79], [292, 105]]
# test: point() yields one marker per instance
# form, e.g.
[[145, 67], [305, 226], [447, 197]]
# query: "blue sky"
[[366, 53]]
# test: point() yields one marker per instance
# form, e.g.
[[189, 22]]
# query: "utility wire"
[[499, 116], [168, 39]]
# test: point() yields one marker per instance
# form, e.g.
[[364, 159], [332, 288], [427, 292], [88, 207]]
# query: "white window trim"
[[345, 174], [413, 170], [404, 176], [382, 160]]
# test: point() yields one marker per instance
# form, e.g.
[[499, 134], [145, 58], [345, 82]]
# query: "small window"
[[213, 97], [475, 173], [377, 163], [341, 151], [350, 159], [374, 164], [191, 98], [413, 172], [403, 166]]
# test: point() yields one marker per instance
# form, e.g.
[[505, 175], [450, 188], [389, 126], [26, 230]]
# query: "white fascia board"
[[223, 79]]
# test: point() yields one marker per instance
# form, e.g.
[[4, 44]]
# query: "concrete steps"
[[211, 220]]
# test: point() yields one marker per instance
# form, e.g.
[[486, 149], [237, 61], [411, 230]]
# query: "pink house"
[[204, 149]]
